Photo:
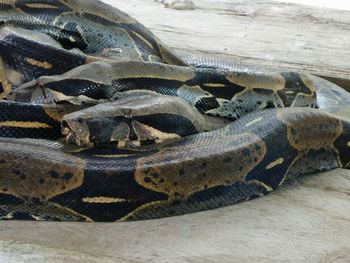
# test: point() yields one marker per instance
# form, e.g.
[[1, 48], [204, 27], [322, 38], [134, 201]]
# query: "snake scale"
[[100, 121]]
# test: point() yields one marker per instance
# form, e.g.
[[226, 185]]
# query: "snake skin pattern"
[[100, 121]]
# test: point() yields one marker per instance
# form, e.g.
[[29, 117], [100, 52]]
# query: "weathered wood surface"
[[307, 221], [267, 33]]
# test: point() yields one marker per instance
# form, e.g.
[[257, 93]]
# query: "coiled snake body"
[[102, 122]]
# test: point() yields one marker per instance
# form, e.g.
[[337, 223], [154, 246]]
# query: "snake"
[[100, 121]]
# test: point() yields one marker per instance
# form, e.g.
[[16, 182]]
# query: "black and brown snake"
[[100, 121]]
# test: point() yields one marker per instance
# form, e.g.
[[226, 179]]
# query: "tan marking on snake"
[[144, 132], [37, 172], [112, 155], [279, 161], [8, 216], [6, 86], [14, 77], [72, 39], [214, 85], [57, 113], [348, 144], [143, 39], [267, 188], [308, 81], [25, 124], [162, 173], [132, 215], [325, 129], [254, 121], [69, 211], [40, 64], [314, 134], [41, 6], [103, 200], [273, 81], [126, 69]]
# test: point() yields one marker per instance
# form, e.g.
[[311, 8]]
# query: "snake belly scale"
[[100, 121]]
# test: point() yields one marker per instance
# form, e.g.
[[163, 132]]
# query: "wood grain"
[[308, 221]]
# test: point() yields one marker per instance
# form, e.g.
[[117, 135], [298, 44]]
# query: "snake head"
[[76, 131], [86, 129]]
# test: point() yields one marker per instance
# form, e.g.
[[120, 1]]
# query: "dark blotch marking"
[[147, 180], [36, 200], [132, 136], [227, 159], [67, 176], [5, 7], [101, 130], [270, 105], [182, 172], [168, 123], [267, 92], [206, 104], [54, 174], [341, 145], [293, 83], [207, 76], [16, 172], [120, 180], [22, 216], [69, 31], [155, 175], [224, 195], [246, 152], [147, 142], [76, 87]]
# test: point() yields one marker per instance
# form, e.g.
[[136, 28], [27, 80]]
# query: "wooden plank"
[[307, 221], [267, 33]]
